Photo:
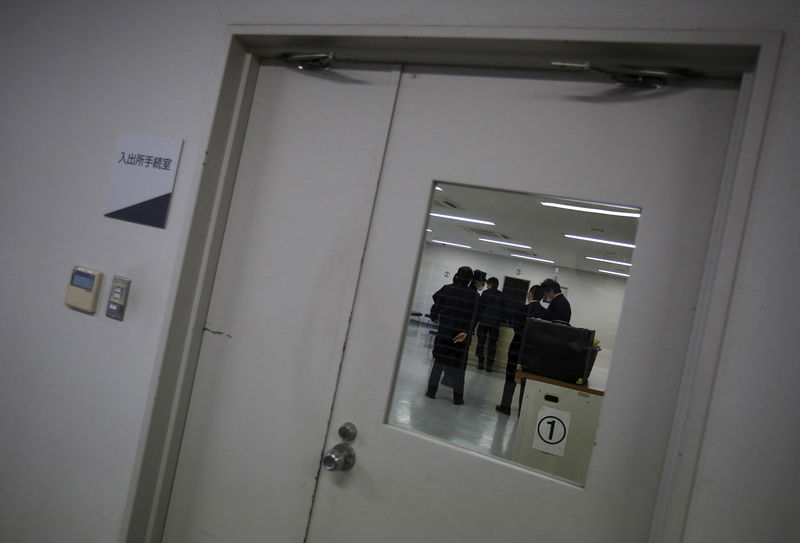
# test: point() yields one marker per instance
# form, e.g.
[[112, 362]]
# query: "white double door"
[[315, 276]]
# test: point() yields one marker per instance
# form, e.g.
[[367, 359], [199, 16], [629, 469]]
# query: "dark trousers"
[[492, 334], [436, 374], [511, 372], [509, 386]]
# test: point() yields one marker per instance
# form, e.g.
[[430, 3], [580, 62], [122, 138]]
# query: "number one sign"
[[552, 427]]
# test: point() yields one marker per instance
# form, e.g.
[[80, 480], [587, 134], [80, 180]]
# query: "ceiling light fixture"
[[520, 245], [593, 210], [617, 262], [597, 240], [439, 188], [614, 273], [465, 219], [590, 202], [533, 258], [450, 244]]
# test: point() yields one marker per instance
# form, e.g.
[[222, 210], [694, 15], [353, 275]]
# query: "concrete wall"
[[75, 389]]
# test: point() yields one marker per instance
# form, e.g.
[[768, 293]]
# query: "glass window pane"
[[515, 292]]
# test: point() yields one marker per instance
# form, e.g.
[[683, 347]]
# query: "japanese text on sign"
[[145, 161]]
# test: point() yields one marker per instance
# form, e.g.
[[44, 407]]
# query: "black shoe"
[[503, 410], [431, 395], [488, 369], [458, 400]]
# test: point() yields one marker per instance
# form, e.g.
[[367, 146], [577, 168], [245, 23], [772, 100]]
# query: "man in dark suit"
[[521, 315], [453, 309], [559, 309], [491, 310]]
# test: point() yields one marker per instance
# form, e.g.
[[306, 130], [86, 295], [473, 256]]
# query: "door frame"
[[755, 54]]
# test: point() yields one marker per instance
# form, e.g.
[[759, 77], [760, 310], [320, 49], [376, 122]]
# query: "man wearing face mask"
[[533, 309], [559, 309], [478, 280]]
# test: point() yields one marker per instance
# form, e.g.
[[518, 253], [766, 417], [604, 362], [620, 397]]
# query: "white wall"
[[596, 299], [74, 389]]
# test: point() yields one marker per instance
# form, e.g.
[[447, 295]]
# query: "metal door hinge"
[[316, 62], [634, 76]]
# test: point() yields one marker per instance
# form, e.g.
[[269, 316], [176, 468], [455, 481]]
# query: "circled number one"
[[557, 430], [552, 425]]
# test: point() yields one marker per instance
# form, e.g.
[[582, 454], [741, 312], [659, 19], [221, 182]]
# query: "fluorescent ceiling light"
[[465, 219], [451, 244], [521, 246], [438, 188], [526, 257], [597, 240], [614, 273], [593, 210], [617, 262]]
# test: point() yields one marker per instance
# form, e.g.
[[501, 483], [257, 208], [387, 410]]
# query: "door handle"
[[341, 457]]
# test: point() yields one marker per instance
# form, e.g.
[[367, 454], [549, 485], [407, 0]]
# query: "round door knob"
[[341, 457]]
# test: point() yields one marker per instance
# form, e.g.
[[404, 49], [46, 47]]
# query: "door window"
[[532, 368]]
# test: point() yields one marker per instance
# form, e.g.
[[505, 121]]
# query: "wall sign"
[[552, 428], [143, 178]]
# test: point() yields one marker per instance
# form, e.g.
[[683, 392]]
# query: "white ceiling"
[[520, 218]]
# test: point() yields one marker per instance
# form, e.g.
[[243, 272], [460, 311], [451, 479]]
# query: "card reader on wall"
[[118, 297], [83, 289]]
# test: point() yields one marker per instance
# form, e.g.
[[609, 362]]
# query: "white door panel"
[[661, 150], [278, 320], [280, 307]]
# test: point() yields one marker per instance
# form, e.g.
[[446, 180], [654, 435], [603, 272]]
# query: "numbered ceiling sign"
[[143, 178], [552, 428]]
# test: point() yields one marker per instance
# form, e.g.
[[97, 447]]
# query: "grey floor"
[[476, 425]]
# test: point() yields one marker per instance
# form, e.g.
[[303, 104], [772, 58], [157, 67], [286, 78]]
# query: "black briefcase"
[[557, 351]]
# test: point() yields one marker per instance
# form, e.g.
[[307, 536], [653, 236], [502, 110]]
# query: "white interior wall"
[[596, 299], [75, 389]]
